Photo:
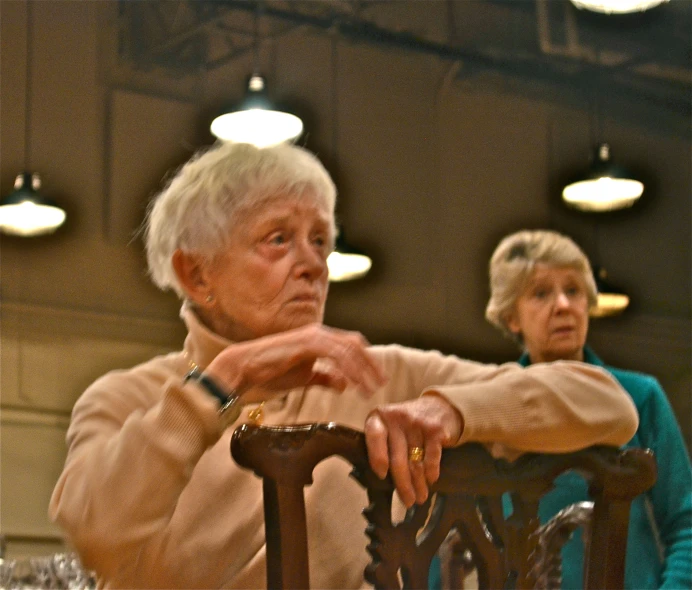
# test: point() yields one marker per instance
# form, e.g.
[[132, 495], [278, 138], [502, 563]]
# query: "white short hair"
[[200, 206], [512, 264]]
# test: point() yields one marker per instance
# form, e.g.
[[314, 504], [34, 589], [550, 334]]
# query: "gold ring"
[[416, 454]]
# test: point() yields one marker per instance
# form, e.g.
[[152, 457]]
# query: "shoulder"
[[122, 390], [107, 403], [154, 370], [637, 384], [648, 396]]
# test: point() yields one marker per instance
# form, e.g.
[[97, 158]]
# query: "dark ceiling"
[[545, 47]]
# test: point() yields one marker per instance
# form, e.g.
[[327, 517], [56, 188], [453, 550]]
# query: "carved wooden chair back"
[[467, 499]]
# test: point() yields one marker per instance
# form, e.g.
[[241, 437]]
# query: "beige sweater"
[[150, 496]]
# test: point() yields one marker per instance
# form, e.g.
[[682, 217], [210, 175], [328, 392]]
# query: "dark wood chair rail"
[[466, 498]]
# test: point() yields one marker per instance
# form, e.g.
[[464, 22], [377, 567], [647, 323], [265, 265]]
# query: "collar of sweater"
[[590, 357], [201, 344]]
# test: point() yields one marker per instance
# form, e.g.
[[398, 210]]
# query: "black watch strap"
[[205, 381], [230, 402]]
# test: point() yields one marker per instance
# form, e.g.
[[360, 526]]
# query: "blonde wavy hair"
[[214, 191], [512, 264]]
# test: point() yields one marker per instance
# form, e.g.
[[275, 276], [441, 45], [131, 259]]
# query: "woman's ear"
[[192, 270], [512, 322]]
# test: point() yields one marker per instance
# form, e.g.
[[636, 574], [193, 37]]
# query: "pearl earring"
[[209, 298]]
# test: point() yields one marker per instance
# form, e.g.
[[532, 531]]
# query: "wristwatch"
[[230, 402]]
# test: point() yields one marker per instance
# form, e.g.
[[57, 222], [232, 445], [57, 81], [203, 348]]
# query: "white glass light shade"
[[603, 194], [604, 187], [260, 127], [617, 6], [347, 266], [24, 212], [610, 300], [609, 304], [30, 219]]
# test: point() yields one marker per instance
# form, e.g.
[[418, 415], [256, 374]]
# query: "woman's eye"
[[277, 239], [540, 293]]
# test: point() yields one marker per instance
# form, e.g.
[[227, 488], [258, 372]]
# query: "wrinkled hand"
[[429, 422], [311, 355]]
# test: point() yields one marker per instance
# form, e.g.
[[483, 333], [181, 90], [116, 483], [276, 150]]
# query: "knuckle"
[[373, 427], [356, 339], [384, 412]]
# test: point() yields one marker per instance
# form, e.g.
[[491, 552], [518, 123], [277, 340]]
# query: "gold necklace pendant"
[[256, 416]]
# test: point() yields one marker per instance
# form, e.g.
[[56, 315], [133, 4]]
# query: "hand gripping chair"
[[463, 514]]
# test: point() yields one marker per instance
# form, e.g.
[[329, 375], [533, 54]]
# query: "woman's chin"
[[566, 352], [300, 318]]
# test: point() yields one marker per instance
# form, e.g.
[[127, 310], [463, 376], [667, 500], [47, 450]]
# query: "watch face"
[[194, 373], [230, 412]]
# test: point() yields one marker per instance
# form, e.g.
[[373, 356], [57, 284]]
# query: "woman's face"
[[551, 314], [273, 275]]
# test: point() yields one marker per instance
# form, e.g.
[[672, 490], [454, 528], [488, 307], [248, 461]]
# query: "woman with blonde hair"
[[541, 289]]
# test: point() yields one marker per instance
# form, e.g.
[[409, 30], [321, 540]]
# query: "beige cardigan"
[[150, 496]]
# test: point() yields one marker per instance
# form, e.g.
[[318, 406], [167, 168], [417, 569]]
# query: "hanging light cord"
[[27, 99], [335, 96], [596, 263], [256, 41], [334, 101]]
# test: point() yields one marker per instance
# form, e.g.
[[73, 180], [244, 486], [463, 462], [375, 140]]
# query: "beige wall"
[[433, 171]]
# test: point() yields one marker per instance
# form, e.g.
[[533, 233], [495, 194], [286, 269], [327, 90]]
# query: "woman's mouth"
[[305, 299]]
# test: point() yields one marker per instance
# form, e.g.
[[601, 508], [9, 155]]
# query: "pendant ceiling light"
[[24, 212], [617, 6], [255, 121], [611, 300], [347, 263], [604, 187]]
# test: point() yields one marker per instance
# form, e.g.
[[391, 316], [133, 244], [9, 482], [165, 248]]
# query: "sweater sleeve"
[[549, 407], [133, 442], [671, 496]]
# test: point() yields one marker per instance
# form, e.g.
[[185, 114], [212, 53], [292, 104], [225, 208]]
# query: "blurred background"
[[445, 123]]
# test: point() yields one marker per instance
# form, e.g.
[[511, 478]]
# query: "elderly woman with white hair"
[[150, 496], [542, 287]]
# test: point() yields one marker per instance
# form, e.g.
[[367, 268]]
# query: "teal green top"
[[659, 545]]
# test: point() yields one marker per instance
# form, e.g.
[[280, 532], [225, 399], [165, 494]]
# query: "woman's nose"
[[310, 260], [562, 301]]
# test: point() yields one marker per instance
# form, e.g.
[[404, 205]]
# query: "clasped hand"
[[318, 355]]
